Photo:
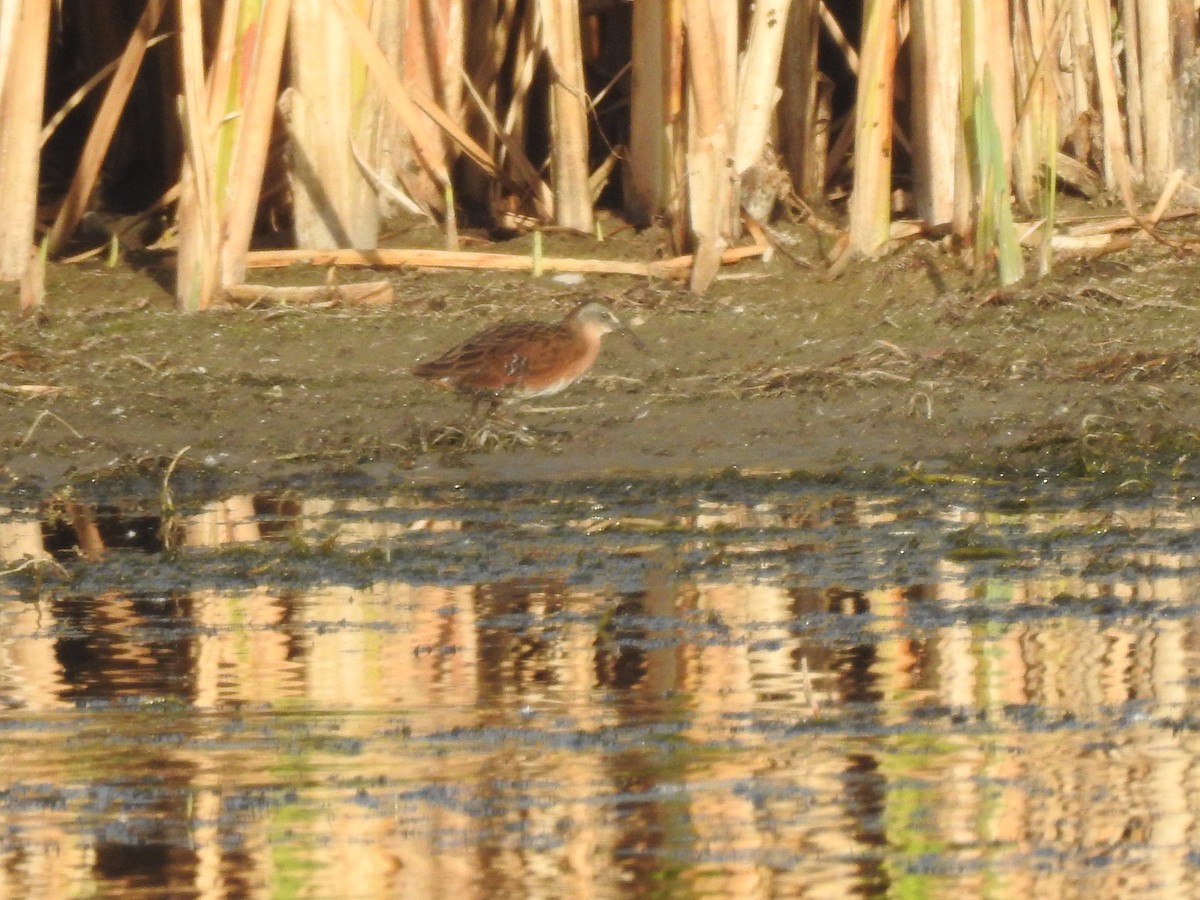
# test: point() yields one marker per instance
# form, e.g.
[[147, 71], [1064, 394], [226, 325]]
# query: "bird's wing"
[[495, 358]]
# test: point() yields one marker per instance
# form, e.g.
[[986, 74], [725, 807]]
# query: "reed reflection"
[[739, 730]]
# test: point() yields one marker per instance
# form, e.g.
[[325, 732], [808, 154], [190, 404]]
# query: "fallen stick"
[[1174, 180], [676, 267], [1108, 225], [1094, 244], [369, 293]]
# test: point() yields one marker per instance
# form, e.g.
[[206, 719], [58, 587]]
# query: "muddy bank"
[[906, 365]]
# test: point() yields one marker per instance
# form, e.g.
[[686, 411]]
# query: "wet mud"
[[908, 364]]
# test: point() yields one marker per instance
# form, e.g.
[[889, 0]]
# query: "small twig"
[[386, 188], [146, 364], [166, 502], [38, 421], [899, 351], [872, 374], [29, 390], [36, 563]]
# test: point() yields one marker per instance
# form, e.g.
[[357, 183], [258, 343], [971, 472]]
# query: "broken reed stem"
[[870, 202], [757, 90], [995, 52], [423, 42], [21, 102], [708, 183], [44, 414], [228, 115], [801, 141], [568, 113], [406, 105], [1116, 157], [84, 91], [649, 165], [1157, 87], [522, 171], [994, 231], [368, 293], [262, 45], [1135, 126], [527, 55], [9, 14], [87, 170], [197, 258], [676, 267], [936, 41], [330, 109], [33, 280]]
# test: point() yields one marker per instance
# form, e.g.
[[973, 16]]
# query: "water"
[[745, 687]]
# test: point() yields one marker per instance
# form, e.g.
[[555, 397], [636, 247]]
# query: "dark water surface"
[[745, 687]]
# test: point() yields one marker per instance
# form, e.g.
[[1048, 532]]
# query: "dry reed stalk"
[[420, 50], [87, 171], [448, 23], [396, 172], [9, 15], [261, 51], [209, 134], [800, 138], [675, 123], [196, 275], [1135, 126], [936, 45], [405, 104], [1037, 157], [726, 19], [483, 59], [367, 293], [221, 78], [675, 267], [568, 113], [1116, 157], [1110, 224], [1025, 170], [1080, 65], [228, 117], [995, 51], [1153, 40], [834, 29], [1174, 180], [870, 202], [650, 128], [1185, 115], [20, 125], [330, 107], [521, 173], [33, 280], [757, 83], [994, 234], [710, 190], [525, 52], [84, 91]]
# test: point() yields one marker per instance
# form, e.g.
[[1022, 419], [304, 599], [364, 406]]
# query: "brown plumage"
[[525, 359]]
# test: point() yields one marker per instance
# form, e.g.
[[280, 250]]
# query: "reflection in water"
[[631, 692]]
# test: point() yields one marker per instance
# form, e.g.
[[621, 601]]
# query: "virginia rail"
[[525, 359]]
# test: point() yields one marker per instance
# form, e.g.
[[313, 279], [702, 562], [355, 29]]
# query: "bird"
[[520, 360]]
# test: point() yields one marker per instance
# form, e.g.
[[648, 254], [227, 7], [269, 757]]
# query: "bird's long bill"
[[633, 338]]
